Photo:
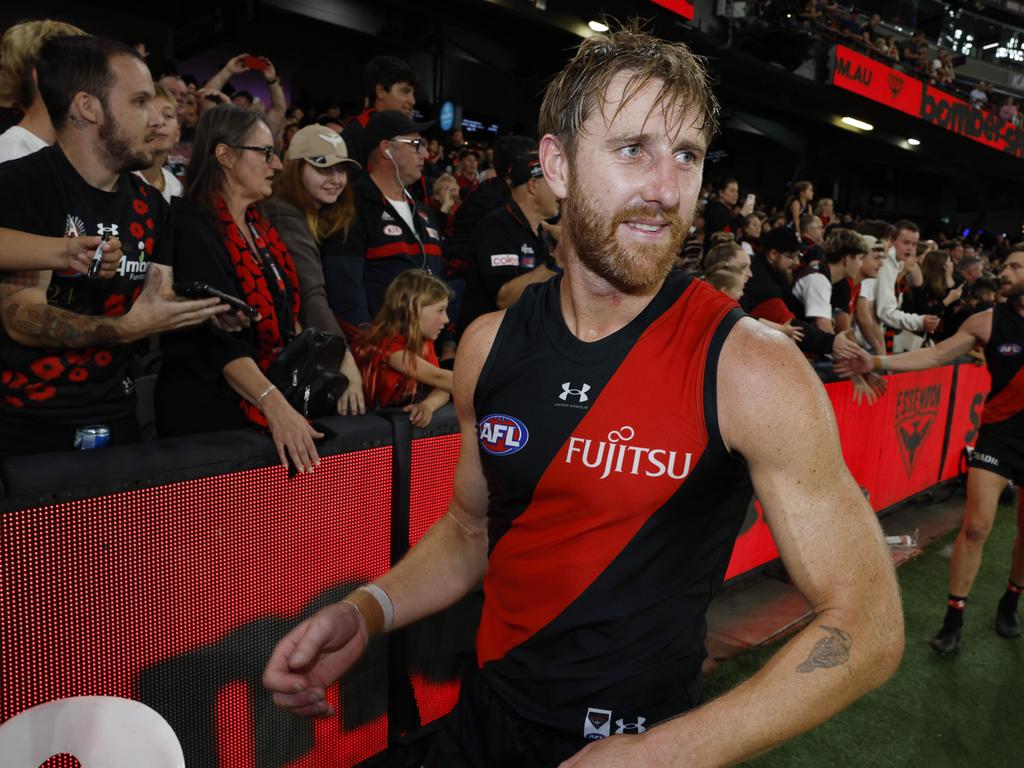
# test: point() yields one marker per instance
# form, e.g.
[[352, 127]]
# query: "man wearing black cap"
[[507, 241], [766, 292], [391, 231]]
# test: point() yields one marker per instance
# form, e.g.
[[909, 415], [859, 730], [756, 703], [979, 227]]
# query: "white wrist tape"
[[385, 604]]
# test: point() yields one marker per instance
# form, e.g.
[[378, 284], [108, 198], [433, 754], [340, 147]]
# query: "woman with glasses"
[[212, 377], [312, 202]]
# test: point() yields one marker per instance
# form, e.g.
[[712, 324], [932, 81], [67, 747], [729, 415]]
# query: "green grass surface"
[[966, 709]]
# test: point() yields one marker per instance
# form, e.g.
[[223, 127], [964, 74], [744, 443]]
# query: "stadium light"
[[854, 122], [597, 26], [914, 142]]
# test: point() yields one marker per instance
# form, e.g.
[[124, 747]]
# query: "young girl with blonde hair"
[[396, 353]]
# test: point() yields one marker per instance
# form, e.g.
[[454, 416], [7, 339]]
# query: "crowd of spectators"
[[829, 279], [132, 202], [913, 53]]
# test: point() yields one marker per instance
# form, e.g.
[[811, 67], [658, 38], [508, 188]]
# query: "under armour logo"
[[581, 393], [637, 727], [106, 229]]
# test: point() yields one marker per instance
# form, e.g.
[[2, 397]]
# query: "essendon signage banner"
[[682, 8], [873, 80]]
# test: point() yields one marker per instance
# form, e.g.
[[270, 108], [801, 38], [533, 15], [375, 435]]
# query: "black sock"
[[954, 612], [1008, 603]]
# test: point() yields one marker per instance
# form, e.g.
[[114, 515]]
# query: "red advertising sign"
[[874, 80], [972, 386], [175, 596], [893, 448], [682, 8]]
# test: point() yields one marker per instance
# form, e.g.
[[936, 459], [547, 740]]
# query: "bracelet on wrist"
[[274, 81], [263, 394]]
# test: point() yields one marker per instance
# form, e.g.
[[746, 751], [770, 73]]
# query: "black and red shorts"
[[482, 732], [999, 452]]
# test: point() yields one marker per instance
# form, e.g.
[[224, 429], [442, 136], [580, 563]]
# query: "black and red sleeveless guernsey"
[[1000, 446], [613, 510], [1004, 356]]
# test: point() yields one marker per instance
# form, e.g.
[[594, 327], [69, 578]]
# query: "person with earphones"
[[391, 232]]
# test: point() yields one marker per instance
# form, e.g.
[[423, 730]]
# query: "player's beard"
[[1013, 293], [118, 148], [595, 240]]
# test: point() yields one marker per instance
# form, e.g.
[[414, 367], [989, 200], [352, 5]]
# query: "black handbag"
[[306, 372]]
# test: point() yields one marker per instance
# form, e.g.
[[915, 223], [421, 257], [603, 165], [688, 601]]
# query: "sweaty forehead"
[[625, 109]]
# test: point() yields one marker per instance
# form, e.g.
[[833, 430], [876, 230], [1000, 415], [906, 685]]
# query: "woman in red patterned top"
[[213, 377], [396, 354]]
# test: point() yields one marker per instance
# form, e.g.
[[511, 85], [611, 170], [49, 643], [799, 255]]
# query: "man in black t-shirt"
[[507, 242], [70, 339]]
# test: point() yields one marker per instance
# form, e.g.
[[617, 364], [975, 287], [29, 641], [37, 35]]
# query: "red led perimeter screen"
[[433, 473], [176, 595]]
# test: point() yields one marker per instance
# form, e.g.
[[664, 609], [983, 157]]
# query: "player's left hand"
[[626, 751]]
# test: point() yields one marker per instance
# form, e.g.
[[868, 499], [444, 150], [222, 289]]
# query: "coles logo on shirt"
[[502, 435], [1010, 349], [504, 260]]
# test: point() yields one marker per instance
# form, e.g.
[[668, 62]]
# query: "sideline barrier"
[[166, 573]]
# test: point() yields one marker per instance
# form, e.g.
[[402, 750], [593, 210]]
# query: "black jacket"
[[379, 246], [458, 246], [503, 247]]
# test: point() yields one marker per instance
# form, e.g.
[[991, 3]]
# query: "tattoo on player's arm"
[[831, 651], [58, 327]]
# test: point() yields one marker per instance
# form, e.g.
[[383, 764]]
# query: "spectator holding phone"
[[243, 62], [70, 340], [213, 378], [720, 214], [313, 201], [939, 291]]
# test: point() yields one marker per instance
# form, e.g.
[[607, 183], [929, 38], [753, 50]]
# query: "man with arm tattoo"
[[70, 336], [611, 438]]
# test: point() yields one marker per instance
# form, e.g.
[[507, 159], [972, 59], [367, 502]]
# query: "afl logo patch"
[[1009, 349], [392, 230], [502, 435]]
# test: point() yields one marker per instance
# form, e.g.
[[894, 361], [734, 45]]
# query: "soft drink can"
[[95, 436]]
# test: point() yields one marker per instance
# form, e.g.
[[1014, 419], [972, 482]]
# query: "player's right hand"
[[313, 656]]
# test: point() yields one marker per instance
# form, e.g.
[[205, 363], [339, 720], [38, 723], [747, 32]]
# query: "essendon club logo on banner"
[[916, 411], [873, 80], [895, 85]]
